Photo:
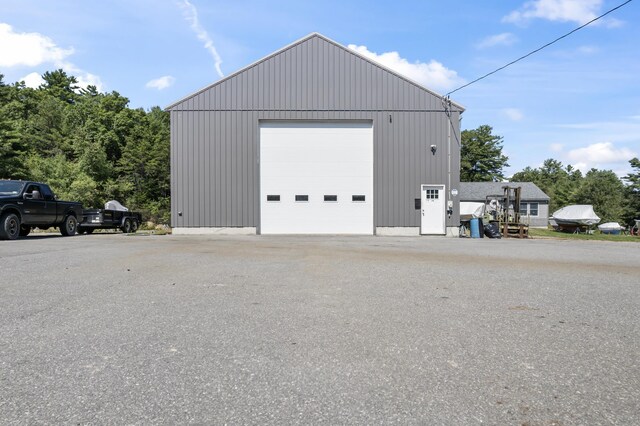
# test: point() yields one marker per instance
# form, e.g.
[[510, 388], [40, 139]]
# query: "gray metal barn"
[[315, 139]]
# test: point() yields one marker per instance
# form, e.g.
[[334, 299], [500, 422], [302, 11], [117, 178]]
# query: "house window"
[[530, 209], [358, 198], [273, 198], [302, 198], [331, 198], [523, 209]]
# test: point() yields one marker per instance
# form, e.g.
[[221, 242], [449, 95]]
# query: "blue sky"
[[577, 101]]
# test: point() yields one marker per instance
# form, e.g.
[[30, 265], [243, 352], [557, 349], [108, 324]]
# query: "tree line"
[[88, 146], [613, 199]]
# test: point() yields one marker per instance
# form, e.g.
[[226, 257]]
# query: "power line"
[[540, 48]]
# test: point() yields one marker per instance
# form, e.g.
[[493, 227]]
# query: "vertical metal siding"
[[214, 135]]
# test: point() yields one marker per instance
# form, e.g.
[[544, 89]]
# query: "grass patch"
[[597, 236]]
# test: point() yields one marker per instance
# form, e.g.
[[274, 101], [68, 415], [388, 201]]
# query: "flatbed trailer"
[[93, 219]]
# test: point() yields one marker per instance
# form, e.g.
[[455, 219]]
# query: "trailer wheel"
[[126, 227], [25, 230], [9, 226], [69, 227], [134, 225]]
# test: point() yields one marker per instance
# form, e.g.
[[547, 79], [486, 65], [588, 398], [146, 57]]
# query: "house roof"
[[478, 191], [302, 40]]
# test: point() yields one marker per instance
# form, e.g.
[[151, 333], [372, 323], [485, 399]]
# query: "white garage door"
[[316, 178]]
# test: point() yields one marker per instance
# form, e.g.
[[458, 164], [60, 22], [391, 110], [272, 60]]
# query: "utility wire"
[[540, 48]]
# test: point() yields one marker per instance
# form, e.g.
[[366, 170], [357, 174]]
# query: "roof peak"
[[300, 41]]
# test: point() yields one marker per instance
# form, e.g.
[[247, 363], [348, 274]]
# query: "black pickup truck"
[[26, 205]]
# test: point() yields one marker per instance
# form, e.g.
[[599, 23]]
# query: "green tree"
[[89, 146], [558, 182], [528, 174], [11, 148], [633, 192], [60, 85], [144, 166], [45, 131], [481, 157], [66, 179], [605, 191]]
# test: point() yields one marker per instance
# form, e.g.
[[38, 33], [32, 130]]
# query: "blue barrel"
[[475, 228]]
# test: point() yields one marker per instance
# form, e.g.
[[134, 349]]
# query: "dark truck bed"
[[93, 219]]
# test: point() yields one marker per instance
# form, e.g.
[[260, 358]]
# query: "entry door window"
[[432, 194]]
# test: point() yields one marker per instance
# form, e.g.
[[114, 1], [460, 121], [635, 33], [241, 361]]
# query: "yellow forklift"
[[504, 210]]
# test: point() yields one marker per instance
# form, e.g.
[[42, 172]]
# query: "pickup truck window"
[[46, 192], [34, 192], [10, 188]]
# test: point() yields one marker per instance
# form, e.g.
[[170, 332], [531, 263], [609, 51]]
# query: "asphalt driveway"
[[110, 328]]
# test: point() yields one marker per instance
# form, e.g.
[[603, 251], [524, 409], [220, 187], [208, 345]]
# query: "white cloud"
[[433, 75], [588, 50], [600, 153], [556, 147], [513, 114], [625, 131], [583, 167], [191, 15], [84, 78], [161, 83], [28, 49], [504, 39], [34, 49], [579, 11], [33, 80]]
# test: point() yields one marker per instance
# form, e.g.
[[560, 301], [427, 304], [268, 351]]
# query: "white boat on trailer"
[[575, 216], [613, 228]]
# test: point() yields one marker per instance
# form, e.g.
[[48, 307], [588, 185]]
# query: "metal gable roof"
[[478, 191], [303, 40]]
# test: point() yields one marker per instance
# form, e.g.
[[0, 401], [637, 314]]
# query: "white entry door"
[[433, 210], [316, 178]]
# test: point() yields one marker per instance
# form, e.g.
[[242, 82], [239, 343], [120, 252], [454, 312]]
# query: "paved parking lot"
[[110, 328]]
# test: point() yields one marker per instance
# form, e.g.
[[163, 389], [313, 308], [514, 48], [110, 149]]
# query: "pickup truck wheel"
[[126, 227], [9, 226], [134, 225], [69, 227], [24, 230]]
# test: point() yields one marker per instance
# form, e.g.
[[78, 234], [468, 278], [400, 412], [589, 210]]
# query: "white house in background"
[[534, 203]]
